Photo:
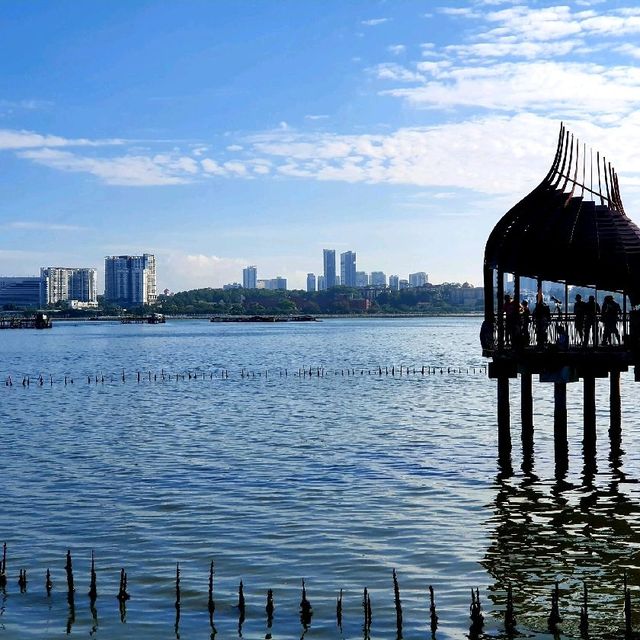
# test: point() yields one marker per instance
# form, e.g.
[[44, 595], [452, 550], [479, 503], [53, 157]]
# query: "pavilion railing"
[[560, 332]]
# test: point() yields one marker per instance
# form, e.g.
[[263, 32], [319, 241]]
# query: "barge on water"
[[38, 321], [154, 318], [303, 318]]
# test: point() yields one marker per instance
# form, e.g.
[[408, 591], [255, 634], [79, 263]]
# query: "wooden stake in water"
[[48, 585], [177, 604], [475, 613], [93, 589], [305, 608], [627, 609], [554, 617], [22, 580], [3, 567], [339, 610], [584, 612], [366, 606], [398, 604], [269, 608], [69, 570], [123, 596], [432, 610], [509, 617]]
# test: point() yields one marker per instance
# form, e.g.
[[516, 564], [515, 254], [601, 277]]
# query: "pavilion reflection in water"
[[573, 533]]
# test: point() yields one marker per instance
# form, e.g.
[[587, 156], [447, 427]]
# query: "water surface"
[[337, 479]]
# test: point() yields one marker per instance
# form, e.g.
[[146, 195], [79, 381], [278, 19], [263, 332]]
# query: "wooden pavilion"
[[570, 230]]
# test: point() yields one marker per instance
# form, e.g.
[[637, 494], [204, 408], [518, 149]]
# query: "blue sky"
[[222, 133]]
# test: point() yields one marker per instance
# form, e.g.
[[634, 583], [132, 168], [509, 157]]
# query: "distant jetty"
[[37, 321], [154, 318], [303, 318]]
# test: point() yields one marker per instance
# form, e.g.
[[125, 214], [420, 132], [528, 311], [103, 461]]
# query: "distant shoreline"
[[319, 316]]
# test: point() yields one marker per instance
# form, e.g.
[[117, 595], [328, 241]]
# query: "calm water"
[[335, 479]]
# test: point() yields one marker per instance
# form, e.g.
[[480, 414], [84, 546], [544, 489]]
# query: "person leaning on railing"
[[592, 311], [579, 310], [542, 320], [610, 315]]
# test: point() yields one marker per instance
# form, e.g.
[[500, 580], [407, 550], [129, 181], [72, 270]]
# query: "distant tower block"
[[571, 230]]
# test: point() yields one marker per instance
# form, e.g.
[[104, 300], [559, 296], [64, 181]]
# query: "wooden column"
[[526, 407], [500, 315], [504, 415], [589, 440], [614, 402], [560, 427]]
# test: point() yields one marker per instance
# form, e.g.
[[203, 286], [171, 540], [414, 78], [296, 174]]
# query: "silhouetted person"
[[542, 320], [511, 320], [610, 316], [525, 322], [580, 310], [592, 311]]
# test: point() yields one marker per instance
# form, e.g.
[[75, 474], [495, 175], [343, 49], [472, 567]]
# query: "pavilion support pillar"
[[504, 416], [526, 408], [561, 446], [614, 403], [500, 301], [589, 440]]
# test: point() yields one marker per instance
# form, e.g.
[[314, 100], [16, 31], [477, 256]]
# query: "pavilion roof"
[[570, 229]]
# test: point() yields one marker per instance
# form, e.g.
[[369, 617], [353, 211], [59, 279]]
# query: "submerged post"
[[589, 440], [560, 424], [614, 402], [526, 408], [504, 415]]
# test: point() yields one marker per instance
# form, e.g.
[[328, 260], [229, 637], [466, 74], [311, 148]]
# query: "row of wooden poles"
[[559, 414], [476, 615], [223, 374]]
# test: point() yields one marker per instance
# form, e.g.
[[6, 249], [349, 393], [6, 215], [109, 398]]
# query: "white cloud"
[[397, 73], [11, 139], [129, 170], [548, 87], [493, 155], [374, 22], [396, 49], [183, 271], [42, 226]]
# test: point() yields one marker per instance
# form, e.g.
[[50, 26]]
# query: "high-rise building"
[[130, 279], [27, 292], [418, 279], [403, 284], [67, 284], [362, 279], [272, 283], [348, 269], [322, 283], [378, 279], [394, 283], [329, 263], [311, 281], [250, 277]]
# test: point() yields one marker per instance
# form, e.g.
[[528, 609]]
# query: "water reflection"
[[576, 533]]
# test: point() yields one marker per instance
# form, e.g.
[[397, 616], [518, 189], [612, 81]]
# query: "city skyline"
[[219, 135]]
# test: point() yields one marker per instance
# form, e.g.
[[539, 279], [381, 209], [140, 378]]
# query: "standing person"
[[542, 319], [511, 320], [610, 316], [592, 311], [525, 319], [579, 311]]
